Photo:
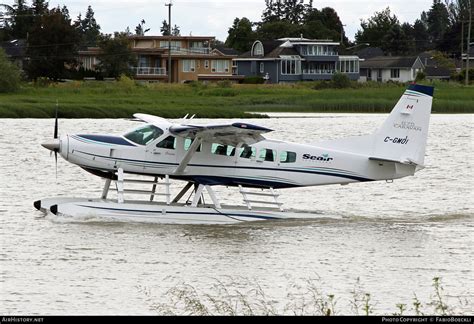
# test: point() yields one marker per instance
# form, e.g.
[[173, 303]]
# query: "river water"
[[388, 240]]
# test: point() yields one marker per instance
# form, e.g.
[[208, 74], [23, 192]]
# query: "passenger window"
[[246, 152], [267, 155], [287, 157], [168, 143], [221, 149], [188, 142]]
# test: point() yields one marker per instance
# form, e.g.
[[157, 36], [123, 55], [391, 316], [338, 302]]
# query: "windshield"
[[144, 134]]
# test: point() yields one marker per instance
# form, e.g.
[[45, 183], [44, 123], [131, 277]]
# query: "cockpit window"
[[144, 134]]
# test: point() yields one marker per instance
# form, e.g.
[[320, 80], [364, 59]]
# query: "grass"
[[310, 299], [122, 99]]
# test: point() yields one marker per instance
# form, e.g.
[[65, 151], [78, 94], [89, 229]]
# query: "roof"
[[227, 51], [438, 72], [14, 48], [369, 52], [160, 37], [387, 62]]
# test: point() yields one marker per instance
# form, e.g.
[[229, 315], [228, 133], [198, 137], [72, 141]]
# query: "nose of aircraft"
[[52, 145]]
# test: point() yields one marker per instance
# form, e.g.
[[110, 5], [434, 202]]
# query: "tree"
[[421, 36], [88, 28], [437, 19], [397, 42], [376, 28], [140, 28], [165, 28], [323, 24], [278, 29], [116, 56], [9, 74], [240, 35], [20, 20], [52, 45]]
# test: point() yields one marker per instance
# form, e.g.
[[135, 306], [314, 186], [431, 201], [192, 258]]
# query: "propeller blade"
[[56, 121], [56, 162]]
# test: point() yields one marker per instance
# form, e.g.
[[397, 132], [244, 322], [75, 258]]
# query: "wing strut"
[[184, 162]]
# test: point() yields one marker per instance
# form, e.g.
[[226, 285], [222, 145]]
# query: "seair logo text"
[[407, 125], [321, 158], [396, 140]]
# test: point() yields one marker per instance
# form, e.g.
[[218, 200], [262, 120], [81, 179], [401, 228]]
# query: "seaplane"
[[233, 154]]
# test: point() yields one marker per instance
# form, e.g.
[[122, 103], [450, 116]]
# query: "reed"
[[308, 298], [123, 98]]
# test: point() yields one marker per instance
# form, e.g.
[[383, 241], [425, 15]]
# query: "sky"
[[214, 17]]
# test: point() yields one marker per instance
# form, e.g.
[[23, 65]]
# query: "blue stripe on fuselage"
[[106, 139]]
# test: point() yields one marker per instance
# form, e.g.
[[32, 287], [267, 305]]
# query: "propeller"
[[54, 145]]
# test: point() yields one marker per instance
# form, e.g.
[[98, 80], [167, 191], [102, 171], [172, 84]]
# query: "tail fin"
[[402, 137]]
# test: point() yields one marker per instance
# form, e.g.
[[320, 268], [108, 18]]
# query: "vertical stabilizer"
[[403, 135]]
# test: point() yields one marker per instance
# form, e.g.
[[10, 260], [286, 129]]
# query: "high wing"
[[154, 120], [231, 134]]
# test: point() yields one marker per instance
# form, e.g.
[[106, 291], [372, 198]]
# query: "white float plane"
[[235, 154]]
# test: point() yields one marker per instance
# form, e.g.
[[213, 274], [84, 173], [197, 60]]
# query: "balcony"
[[149, 71], [184, 51], [318, 71]]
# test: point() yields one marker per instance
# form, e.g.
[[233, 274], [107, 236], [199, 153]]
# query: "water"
[[394, 237]]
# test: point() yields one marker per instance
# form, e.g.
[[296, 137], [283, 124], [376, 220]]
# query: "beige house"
[[192, 59]]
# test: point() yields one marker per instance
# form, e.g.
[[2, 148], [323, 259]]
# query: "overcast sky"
[[214, 17]]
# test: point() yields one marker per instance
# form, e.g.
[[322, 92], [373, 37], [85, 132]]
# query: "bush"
[[420, 76], [9, 74], [462, 75], [340, 81], [253, 80]]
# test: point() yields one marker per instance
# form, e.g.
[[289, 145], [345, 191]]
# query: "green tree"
[[116, 56], [140, 28], [240, 35], [88, 28], [9, 74], [421, 36], [437, 19], [52, 45], [376, 27], [278, 29], [20, 20], [323, 24], [397, 42], [165, 29]]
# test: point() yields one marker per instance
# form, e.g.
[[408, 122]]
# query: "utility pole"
[[468, 42], [169, 5]]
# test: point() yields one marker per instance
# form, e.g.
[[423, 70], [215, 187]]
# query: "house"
[[470, 57], [192, 59], [16, 51], [296, 59], [390, 68]]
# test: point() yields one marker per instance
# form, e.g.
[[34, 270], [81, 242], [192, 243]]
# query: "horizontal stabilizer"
[[407, 161]]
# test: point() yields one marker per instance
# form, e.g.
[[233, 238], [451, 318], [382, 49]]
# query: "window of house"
[[287, 157], [267, 155], [222, 149], [291, 64], [175, 45], [168, 143], [262, 67], [188, 142], [189, 65], [220, 66], [247, 152], [258, 49], [394, 73]]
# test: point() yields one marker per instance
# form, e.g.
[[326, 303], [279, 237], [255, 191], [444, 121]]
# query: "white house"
[[394, 68]]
